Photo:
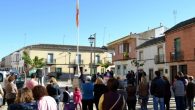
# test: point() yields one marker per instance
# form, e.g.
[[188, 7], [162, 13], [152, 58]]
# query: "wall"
[[187, 36]]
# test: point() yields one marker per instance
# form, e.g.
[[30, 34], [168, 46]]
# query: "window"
[[161, 71], [121, 48], [118, 69], [177, 48], [160, 50], [160, 54], [59, 70], [124, 69], [17, 58], [177, 45], [183, 69], [97, 60], [151, 72], [124, 48], [50, 58], [78, 58], [141, 55]]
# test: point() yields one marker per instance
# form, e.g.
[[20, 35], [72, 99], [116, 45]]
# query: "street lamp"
[[91, 41], [69, 53]]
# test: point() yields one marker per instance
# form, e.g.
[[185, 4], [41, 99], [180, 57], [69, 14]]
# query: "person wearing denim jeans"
[[157, 89], [160, 101], [179, 92]]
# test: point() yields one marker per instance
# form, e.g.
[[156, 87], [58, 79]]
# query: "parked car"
[[19, 78]]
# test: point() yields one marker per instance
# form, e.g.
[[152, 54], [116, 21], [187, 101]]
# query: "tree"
[[137, 63], [105, 65], [32, 63]]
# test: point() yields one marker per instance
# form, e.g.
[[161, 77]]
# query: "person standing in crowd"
[[53, 90], [24, 101], [99, 89], [11, 90], [112, 100], [190, 93], [77, 97], [167, 95], [157, 89], [66, 98], [39, 75], [179, 92], [121, 89], [131, 96], [87, 94], [185, 82], [44, 101], [32, 82], [143, 92], [130, 78]]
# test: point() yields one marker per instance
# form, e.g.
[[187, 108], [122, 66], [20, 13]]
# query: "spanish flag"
[[77, 13]]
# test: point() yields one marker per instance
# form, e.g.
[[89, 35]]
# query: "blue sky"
[[27, 22]]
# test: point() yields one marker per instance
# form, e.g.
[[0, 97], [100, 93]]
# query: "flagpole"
[[78, 50], [77, 22]]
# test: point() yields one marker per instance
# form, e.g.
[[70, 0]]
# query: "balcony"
[[94, 65], [176, 56], [75, 62], [158, 59], [50, 61]]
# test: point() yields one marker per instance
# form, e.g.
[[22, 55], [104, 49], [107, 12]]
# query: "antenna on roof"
[[175, 15], [25, 39], [104, 35], [63, 39]]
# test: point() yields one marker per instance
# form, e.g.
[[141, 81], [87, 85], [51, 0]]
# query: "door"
[[173, 71]]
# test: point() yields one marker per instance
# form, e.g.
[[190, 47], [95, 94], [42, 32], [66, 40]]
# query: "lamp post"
[[69, 53], [94, 36], [91, 41]]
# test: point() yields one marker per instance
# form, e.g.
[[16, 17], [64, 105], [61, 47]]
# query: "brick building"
[[180, 48]]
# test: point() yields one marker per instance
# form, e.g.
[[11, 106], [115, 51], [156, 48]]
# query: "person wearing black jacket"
[[190, 93], [157, 89], [99, 89], [167, 95], [39, 75]]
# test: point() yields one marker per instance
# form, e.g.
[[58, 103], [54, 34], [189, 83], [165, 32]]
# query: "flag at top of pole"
[[77, 13]]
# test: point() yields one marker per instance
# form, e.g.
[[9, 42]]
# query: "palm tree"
[[32, 63]]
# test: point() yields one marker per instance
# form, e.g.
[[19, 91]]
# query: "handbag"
[[115, 102]]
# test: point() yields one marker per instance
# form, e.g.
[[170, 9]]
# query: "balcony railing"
[[50, 61], [75, 62], [159, 59], [126, 56], [176, 56]]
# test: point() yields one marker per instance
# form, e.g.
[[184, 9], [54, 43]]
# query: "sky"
[[29, 22]]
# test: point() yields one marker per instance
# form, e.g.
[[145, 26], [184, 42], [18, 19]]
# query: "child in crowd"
[[77, 97]]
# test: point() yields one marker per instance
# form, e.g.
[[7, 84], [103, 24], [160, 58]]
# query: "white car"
[[3, 75]]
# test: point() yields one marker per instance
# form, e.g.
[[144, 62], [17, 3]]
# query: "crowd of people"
[[106, 91]]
